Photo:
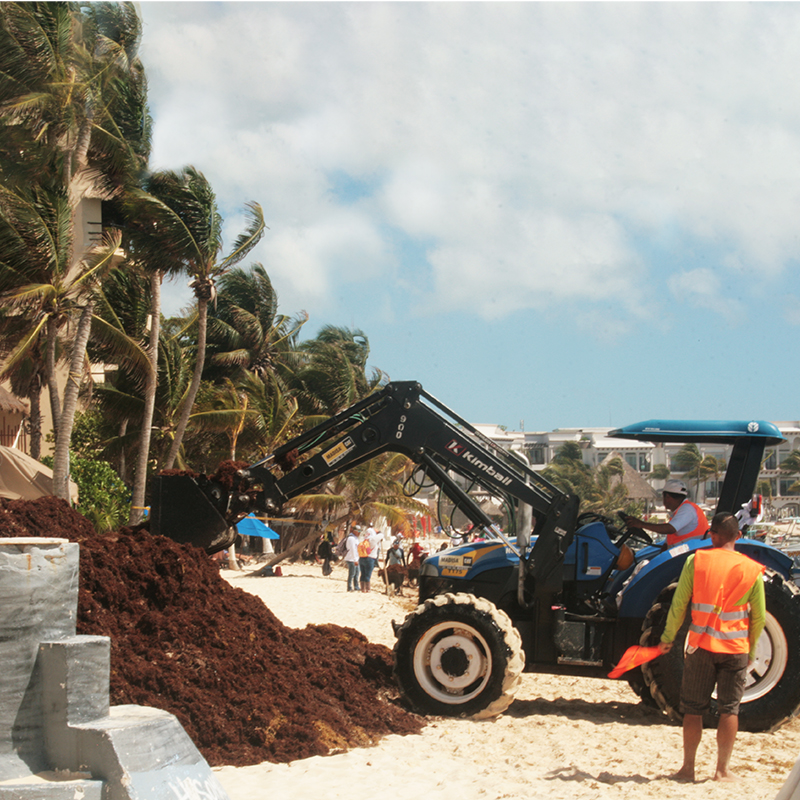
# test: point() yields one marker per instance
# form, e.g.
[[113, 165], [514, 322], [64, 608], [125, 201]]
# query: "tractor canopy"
[[708, 431], [748, 439]]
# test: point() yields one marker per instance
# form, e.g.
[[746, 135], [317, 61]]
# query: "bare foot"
[[685, 775], [726, 777]]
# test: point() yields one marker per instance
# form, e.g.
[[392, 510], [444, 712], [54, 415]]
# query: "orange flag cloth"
[[633, 657]]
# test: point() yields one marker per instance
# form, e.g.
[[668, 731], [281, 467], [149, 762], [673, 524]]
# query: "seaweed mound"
[[245, 687]]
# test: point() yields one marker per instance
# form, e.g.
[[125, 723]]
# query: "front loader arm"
[[397, 420], [405, 419]]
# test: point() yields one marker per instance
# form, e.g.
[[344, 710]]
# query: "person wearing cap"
[[395, 554], [728, 612], [687, 520]]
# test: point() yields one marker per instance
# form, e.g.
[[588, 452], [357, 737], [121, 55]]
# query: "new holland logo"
[[460, 450]]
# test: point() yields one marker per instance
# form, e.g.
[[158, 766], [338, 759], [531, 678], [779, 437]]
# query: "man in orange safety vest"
[[726, 592], [687, 520]]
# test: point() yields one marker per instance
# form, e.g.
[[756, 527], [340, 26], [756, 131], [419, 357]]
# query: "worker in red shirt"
[[687, 520]]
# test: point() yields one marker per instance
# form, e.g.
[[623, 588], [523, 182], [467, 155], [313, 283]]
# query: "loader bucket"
[[188, 510]]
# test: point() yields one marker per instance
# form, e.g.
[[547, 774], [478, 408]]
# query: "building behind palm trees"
[[779, 486]]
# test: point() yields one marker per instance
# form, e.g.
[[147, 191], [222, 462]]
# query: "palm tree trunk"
[[292, 551], [186, 410], [35, 419], [122, 463], [50, 363], [140, 476], [67, 418]]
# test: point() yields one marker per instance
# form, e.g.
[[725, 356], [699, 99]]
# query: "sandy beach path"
[[561, 738]]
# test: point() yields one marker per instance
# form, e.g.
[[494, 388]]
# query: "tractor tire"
[[636, 681], [458, 655], [772, 692]]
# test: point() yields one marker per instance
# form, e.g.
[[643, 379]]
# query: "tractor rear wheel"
[[458, 655], [772, 692]]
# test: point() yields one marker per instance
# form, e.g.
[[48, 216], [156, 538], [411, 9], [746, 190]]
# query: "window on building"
[[771, 461], [712, 488], [631, 458], [644, 462], [785, 484], [536, 455]]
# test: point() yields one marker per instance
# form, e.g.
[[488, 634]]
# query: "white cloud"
[[704, 289], [530, 148]]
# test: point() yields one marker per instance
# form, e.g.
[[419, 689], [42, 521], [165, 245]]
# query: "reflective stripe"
[[715, 634], [704, 608]]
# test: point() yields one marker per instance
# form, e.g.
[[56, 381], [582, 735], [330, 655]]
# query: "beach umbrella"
[[252, 526], [634, 657]]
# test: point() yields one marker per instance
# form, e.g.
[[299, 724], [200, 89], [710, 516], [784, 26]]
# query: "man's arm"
[[680, 602], [659, 528], [758, 614]]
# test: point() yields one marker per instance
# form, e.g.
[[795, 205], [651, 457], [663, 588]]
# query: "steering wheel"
[[635, 534], [592, 516]]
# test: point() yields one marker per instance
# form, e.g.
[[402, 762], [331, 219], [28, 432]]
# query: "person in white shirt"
[[367, 561], [351, 559]]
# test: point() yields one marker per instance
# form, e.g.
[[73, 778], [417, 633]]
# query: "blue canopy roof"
[[252, 526], [712, 431]]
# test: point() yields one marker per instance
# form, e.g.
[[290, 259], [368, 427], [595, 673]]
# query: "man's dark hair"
[[725, 525]]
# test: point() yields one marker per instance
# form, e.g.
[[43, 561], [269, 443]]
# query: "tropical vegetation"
[[88, 233], [602, 489]]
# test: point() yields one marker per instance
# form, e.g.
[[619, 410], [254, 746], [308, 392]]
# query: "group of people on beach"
[[362, 550]]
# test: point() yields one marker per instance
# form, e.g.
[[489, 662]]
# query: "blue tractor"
[[554, 591]]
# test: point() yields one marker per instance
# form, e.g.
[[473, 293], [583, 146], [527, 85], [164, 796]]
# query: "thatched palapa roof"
[[11, 404], [637, 487]]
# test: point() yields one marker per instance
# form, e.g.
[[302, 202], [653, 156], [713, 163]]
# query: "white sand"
[[561, 738]]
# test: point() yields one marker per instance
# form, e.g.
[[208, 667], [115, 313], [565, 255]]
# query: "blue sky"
[[556, 214]]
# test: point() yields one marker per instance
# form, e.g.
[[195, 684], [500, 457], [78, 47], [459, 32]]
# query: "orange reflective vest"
[[720, 612], [699, 529]]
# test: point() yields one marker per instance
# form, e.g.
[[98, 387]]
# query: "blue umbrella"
[[251, 526]]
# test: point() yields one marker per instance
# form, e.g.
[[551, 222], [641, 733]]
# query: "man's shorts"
[[701, 670]]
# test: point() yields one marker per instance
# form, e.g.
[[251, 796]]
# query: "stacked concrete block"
[[59, 737]]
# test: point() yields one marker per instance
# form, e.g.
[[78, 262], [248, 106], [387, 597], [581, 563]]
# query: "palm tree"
[[567, 471], [71, 80], [688, 460], [182, 208], [27, 375], [255, 416], [660, 472], [72, 83], [39, 282], [121, 397], [119, 333], [333, 372], [245, 332]]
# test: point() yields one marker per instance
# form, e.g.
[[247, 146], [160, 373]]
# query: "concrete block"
[[38, 600], [75, 674], [137, 749], [54, 699], [52, 786]]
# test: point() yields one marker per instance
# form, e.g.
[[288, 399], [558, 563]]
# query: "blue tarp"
[[251, 526]]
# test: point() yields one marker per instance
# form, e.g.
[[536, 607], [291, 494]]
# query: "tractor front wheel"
[[458, 655]]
